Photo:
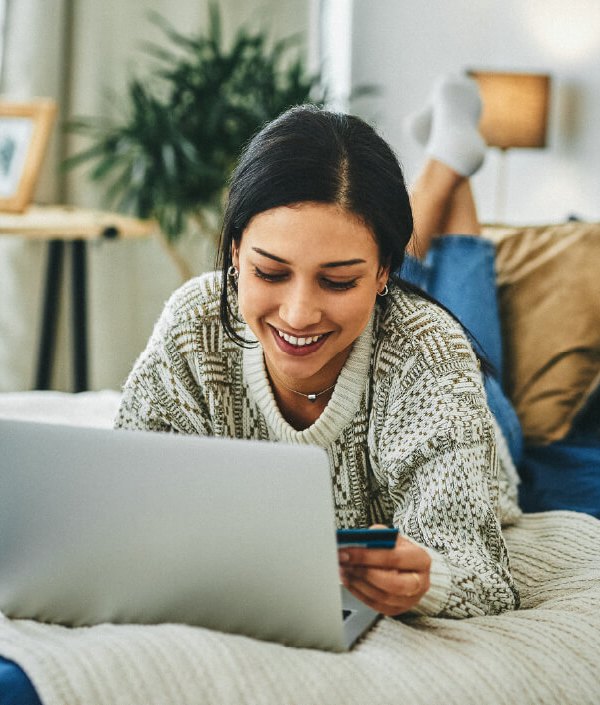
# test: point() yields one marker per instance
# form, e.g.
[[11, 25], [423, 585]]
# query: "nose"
[[300, 308]]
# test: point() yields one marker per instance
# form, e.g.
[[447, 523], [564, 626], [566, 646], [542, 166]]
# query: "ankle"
[[437, 180], [455, 140]]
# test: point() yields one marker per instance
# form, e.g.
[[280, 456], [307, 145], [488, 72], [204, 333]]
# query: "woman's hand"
[[390, 581]]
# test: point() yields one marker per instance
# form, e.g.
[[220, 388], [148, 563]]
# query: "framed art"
[[24, 132]]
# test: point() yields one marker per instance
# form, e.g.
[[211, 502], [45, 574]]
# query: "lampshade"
[[515, 108]]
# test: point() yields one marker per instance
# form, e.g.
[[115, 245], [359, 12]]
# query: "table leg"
[[50, 314], [78, 282]]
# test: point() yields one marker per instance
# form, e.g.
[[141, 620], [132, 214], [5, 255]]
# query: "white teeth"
[[298, 342]]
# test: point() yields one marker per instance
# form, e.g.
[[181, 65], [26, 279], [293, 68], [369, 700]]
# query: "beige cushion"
[[549, 288]]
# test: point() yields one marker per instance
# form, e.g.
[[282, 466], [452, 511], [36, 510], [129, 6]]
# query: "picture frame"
[[25, 130]]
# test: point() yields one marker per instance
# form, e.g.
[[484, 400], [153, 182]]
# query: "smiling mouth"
[[299, 341]]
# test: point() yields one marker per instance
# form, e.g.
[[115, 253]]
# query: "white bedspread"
[[546, 653], [83, 409]]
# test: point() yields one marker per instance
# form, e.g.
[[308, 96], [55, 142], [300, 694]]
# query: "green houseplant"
[[170, 156]]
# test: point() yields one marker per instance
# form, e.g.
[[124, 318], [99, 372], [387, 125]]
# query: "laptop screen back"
[[99, 525]]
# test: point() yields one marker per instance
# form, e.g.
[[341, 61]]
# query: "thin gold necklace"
[[311, 397]]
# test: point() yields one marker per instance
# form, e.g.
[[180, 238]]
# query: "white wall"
[[128, 281], [25, 76], [404, 45]]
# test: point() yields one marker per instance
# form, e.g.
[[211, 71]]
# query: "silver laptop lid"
[[99, 525]]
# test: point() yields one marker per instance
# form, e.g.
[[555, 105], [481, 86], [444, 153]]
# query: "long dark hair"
[[310, 154]]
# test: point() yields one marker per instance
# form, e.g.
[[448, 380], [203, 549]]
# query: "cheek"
[[354, 311], [254, 299]]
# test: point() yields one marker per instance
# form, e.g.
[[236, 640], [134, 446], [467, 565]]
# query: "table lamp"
[[515, 115]]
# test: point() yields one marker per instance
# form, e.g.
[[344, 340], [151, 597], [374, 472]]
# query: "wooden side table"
[[68, 227]]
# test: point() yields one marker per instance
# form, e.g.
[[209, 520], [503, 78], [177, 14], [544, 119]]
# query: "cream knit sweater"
[[408, 432]]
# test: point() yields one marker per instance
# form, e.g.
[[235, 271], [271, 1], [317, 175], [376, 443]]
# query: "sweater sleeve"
[[164, 392], [438, 460]]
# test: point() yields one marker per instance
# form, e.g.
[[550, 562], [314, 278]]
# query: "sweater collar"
[[341, 408]]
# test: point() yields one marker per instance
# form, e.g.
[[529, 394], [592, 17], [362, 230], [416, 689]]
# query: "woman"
[[308, 336]]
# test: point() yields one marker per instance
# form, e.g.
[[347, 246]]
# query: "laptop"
[[98, 525]]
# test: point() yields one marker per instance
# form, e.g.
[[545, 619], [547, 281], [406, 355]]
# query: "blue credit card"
[[367, 538]]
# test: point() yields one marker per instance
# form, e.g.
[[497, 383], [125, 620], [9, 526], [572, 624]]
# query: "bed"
[[546, 652]]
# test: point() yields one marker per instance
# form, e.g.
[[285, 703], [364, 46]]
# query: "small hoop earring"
[[233, 273], [384, 292]]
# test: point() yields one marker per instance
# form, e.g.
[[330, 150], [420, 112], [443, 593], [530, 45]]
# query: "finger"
[[382, 600], [404, 556], [376, 592], [404, 583], [365, 593]]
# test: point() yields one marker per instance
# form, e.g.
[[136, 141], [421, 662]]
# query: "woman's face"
[[308, 278]]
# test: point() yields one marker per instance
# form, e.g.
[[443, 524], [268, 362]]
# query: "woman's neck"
[[298, 411], [300, 405]]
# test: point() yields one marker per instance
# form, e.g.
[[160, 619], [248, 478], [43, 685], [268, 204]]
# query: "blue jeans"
[[15, 686], [459, 272]]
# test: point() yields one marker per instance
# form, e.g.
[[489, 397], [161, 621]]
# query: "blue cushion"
[[15, 687], [562, 475]]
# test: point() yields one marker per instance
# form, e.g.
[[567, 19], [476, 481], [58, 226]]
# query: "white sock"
[[455, 139], [417, 125]]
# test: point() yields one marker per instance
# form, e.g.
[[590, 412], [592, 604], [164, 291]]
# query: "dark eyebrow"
[[326, 265], [270, 256], [344, 263]]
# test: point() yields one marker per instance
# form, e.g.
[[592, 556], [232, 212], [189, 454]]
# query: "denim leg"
[[459, 272], [15, 686], [506, 417], [416, 271], [464, 280]]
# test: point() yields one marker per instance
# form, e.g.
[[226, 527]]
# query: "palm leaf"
[[171, 154]]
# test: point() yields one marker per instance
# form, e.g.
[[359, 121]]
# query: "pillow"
[[549, 295]]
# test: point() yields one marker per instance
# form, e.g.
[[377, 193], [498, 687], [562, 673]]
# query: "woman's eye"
[[339, 286], [268, 277], [325, 282]]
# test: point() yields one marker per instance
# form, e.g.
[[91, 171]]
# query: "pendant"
[[311, 397]]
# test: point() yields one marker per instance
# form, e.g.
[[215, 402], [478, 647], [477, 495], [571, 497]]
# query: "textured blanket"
[[548, 652]]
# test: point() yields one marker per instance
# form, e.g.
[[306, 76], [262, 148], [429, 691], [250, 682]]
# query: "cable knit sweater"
[[410, 439]]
